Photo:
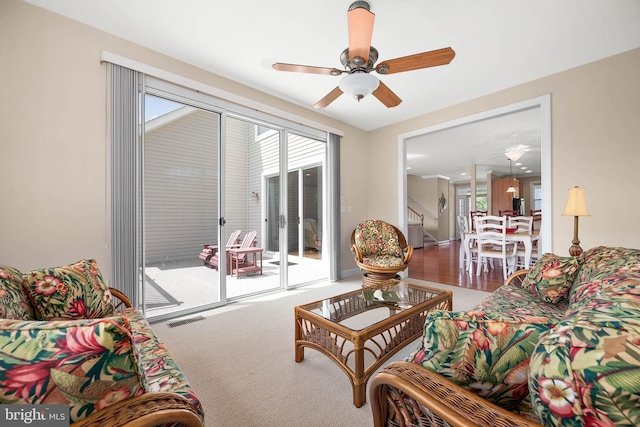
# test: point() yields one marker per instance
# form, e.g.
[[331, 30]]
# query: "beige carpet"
[[240, 361]]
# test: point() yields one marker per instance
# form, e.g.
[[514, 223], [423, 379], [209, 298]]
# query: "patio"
[[186, 284]]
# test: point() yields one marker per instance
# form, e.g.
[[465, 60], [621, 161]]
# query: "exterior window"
[[263, 131], [464, 199], [537, 196]]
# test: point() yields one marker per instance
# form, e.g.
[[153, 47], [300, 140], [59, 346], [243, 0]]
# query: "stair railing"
[[415, 216], [414, 206]]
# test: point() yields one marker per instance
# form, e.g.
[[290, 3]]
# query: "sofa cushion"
[[551, 277], [14, 301], [602, 268], [74, 291], [484, 352], [512, 300], [587, 372], [159, 370], [88, 364]]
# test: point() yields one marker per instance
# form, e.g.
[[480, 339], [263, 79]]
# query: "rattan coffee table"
[[357, 328]]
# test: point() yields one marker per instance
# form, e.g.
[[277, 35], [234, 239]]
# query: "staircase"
[[415, 218], [429, 239]]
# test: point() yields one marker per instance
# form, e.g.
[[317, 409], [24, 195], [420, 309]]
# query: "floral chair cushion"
[[87, 364], [551, 277], [484, 352], [74, 291], [379, 244], [14, 301]]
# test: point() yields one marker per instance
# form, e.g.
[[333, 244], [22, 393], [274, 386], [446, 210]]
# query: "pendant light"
[[512, 188]]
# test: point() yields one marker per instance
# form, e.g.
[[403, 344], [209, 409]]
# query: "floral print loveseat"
[[557, 345], [66, 338]]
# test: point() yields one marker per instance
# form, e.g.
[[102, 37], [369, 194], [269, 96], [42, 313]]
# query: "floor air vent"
[[185, 321]]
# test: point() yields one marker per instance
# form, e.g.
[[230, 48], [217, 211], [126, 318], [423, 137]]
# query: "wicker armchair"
[[147, 410], [381, 251], [442, 403]]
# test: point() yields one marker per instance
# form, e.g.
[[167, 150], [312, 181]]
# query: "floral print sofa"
[[66, 338], [557, 345]]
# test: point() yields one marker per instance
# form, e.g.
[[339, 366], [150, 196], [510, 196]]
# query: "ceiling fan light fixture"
[[359, 84], [514, 153]]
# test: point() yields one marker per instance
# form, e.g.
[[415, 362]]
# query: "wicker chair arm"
[[358, 252], [146, 410], [409, 254], [517, 277], [446, 403], [122, 301]]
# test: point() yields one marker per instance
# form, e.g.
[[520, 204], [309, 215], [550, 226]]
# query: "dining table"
[[527, 240]]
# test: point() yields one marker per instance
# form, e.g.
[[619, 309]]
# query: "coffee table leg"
[[359, 385], [299, 349]]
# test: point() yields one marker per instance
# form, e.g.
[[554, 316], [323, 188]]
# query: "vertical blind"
[[333, 208], [123, 126]]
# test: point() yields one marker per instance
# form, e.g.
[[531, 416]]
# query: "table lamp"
[[576, 206]]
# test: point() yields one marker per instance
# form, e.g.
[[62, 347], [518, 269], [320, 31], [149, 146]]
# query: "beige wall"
[[595, 144], [53, 143]]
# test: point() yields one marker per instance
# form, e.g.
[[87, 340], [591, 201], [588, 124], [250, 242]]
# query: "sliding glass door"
[[305, 201], [180, 206], [252, 152], [216, 221]]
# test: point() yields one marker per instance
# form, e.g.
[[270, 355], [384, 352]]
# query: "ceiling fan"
[[359, 59]]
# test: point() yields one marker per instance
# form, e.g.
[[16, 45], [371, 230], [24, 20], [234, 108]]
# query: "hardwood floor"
[[439, 263]]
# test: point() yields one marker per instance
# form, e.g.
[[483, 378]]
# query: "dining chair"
[[524, 224], [509, 212], [472, 215], [536, 214], [463, 228], [491, 232]]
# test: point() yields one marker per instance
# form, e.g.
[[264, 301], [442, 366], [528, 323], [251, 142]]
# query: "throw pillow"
[[551, 277], [484, 352], [14, 301], [74, 291]]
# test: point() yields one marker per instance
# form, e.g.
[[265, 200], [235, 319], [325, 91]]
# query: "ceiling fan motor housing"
[[357, 63], [359, 5]]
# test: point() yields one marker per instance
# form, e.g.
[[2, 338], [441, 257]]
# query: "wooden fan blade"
[[306, 69], [360, 22], [415, 62], [329, 98], [386, 96]]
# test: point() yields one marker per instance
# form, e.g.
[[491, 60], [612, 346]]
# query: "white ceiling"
[[498, 44], [451, 152]]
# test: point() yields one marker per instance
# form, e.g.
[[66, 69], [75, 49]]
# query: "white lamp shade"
[[576, 204], [359, 84], [511, 190]]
